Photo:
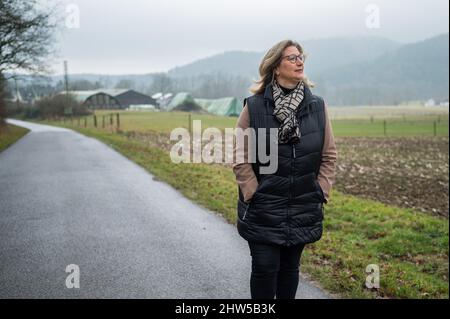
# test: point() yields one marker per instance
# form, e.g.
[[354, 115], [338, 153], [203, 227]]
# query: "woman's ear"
[[277, 73]]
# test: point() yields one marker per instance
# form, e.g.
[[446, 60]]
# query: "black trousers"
[[275, 270]]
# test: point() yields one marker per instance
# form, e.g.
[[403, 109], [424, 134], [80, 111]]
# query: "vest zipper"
[[291, 182]]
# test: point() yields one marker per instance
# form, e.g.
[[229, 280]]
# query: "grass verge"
[[9, 134]]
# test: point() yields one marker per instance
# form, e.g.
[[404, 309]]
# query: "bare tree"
[[82, 84], [26, 37], [125, 84], [161, 83]]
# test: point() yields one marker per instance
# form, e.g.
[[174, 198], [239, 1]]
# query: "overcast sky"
[[143, 36]]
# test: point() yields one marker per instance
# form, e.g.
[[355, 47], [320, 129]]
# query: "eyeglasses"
[[293, 58]]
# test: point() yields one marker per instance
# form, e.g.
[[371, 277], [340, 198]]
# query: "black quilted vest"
[[287, 207]]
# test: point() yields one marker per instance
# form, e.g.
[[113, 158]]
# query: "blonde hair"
[[270, 61]]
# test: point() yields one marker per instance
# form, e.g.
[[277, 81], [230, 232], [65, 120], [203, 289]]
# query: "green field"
[[410, 247], [403, 124], [10, 134], [388, 112]]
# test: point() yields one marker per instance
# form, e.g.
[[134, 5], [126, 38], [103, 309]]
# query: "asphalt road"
[[70, 199]]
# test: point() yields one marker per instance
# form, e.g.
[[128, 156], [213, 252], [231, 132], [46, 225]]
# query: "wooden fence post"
[[190, 124]]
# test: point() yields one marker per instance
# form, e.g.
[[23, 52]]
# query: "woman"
[[281, 212]]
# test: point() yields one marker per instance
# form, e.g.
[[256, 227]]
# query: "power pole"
[[66, 77], [17, 93], [67, 109]]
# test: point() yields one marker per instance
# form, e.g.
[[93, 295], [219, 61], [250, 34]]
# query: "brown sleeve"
[[245, 176], [327, 171]]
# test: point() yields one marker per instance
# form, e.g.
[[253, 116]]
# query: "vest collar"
[[268, 93]]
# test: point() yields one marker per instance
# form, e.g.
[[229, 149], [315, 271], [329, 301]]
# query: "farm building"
[[112, 98], [228, 106]]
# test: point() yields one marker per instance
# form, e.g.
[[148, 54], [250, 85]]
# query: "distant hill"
[[231, 62], [322, 54], [415, 71], [353, 70], [325, 54]]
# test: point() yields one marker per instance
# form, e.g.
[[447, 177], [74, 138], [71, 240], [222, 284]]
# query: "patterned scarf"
[[285, 112]]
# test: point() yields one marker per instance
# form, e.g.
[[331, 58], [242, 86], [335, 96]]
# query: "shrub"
[[58, 104]]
